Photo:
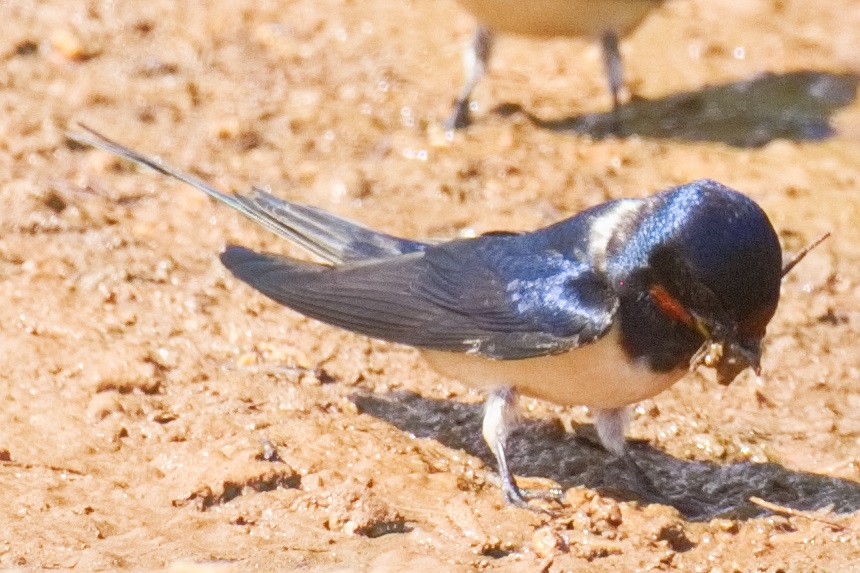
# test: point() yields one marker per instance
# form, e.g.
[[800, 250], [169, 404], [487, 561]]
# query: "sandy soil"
[[157, 414]]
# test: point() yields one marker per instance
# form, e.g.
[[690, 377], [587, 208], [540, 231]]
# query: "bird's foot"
[[460, 116], [522, 497]]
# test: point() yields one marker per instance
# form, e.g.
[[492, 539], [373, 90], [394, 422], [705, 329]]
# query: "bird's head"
[[731, 329], [712, 262]]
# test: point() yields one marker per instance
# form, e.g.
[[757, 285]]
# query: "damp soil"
[[156, 414]]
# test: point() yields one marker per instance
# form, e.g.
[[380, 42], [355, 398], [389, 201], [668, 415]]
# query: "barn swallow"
[[603, 19], [603, 309]]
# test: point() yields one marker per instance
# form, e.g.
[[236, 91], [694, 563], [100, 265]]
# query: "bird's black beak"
[[723, 350], [737, 357], [728, 356]]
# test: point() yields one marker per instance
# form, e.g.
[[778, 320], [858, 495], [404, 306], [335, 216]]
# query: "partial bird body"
[[502, 309], [548, 18], [604, 19]]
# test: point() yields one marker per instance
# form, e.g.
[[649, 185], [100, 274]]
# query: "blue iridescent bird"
[[603, 309]]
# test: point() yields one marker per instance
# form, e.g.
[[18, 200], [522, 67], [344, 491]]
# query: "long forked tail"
[[334, 239]]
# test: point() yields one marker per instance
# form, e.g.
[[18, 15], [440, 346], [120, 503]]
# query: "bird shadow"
[[749, 113], [699, 490]]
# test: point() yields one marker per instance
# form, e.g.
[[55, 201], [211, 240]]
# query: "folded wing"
[[499, 296]]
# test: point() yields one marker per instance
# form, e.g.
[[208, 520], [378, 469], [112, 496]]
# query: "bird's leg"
[[614, 69], [610, 424], [499, 416], [475, 61]]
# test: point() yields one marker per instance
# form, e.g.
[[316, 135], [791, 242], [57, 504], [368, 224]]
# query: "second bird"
[[605, 20]]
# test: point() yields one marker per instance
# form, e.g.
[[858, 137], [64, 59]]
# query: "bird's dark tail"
[[333, 239]]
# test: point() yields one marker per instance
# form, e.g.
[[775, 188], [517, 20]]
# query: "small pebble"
[[67, 45]]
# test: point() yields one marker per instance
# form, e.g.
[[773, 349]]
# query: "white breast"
[[599, 375]]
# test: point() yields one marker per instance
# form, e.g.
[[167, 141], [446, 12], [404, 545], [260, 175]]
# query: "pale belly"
[[598, 375], [560, 17]]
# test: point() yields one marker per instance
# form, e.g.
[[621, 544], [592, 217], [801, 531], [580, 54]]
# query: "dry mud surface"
[[156, 414]]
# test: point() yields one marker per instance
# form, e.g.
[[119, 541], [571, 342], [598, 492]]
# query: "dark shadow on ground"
[[796, 106], [700, 490]]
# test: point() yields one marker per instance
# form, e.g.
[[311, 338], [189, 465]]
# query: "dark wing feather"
[[498, 296], [334, 239]]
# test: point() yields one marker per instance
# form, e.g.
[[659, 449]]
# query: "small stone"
[[546, 541], [247, 359], [67, 45]]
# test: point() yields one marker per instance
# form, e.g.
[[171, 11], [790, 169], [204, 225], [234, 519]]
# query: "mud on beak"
[[729, 358]]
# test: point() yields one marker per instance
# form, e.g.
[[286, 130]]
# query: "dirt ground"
[[156, 414]]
